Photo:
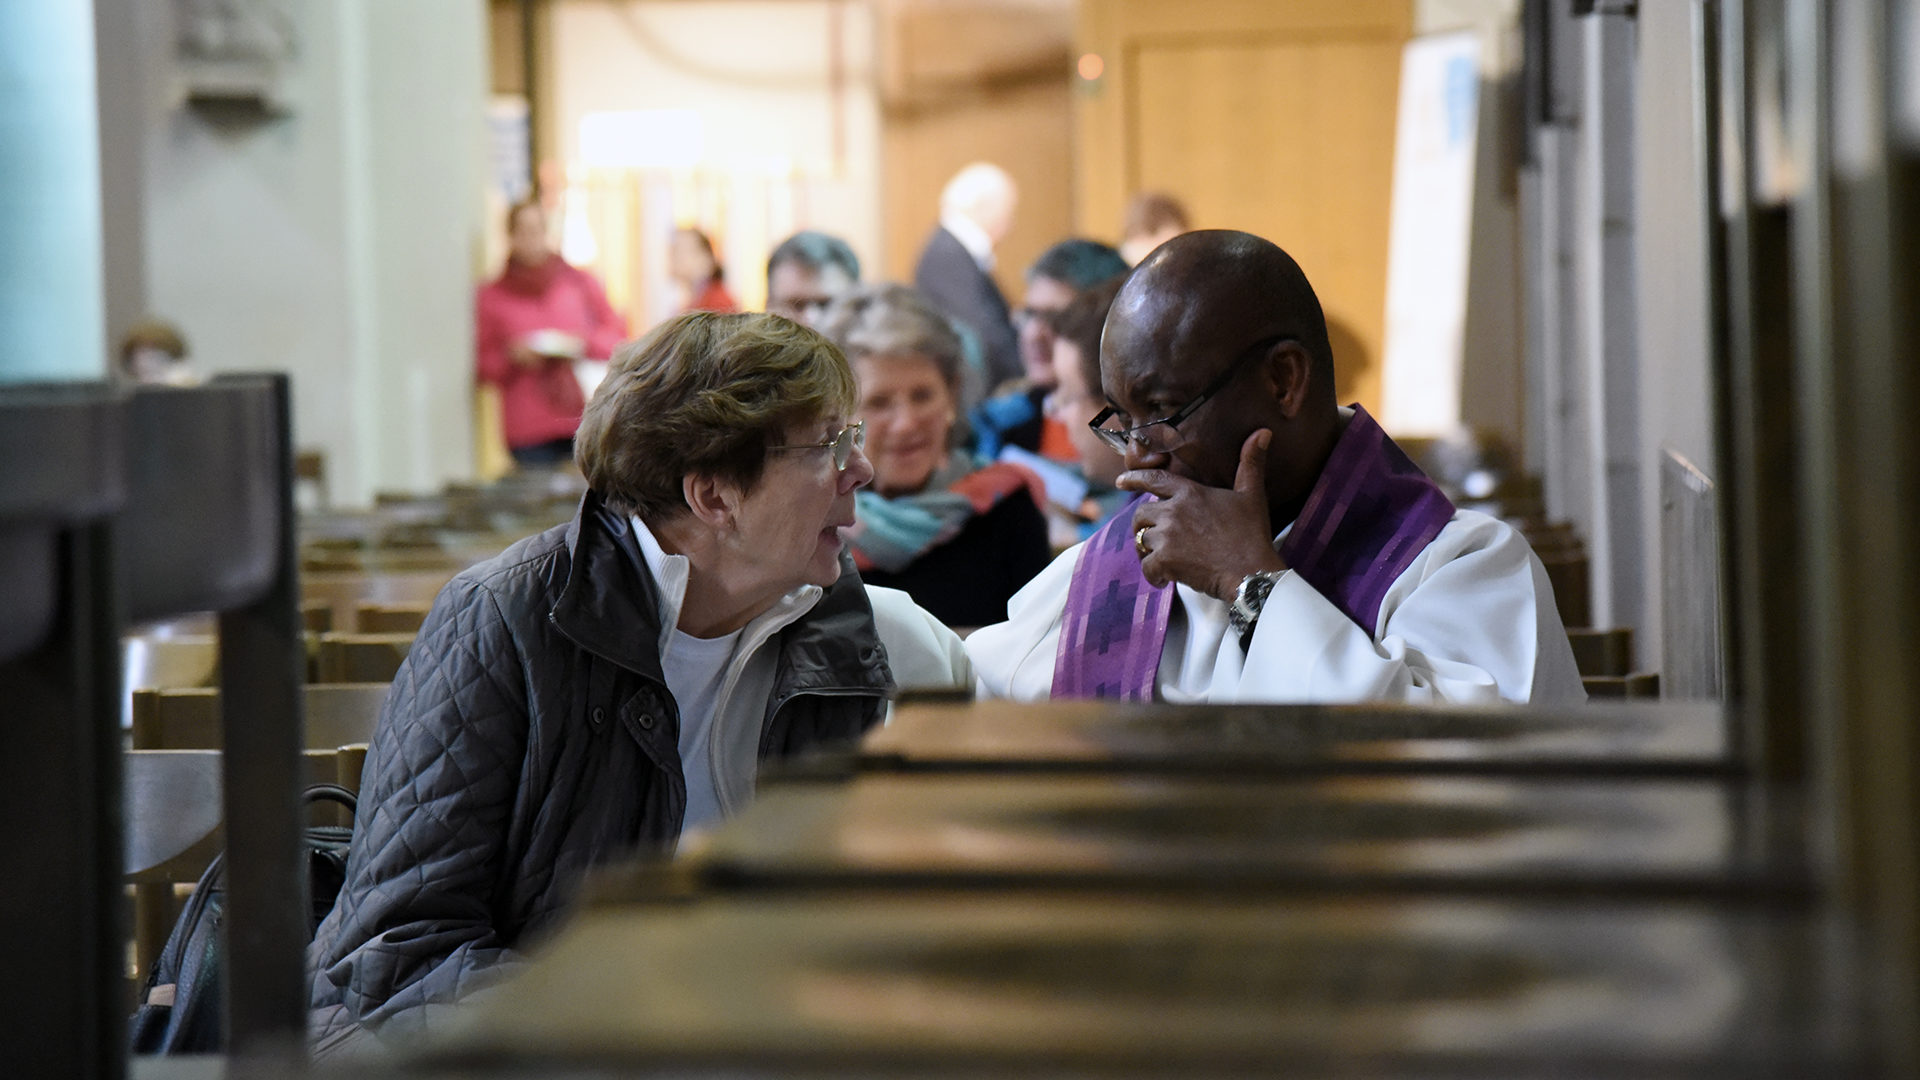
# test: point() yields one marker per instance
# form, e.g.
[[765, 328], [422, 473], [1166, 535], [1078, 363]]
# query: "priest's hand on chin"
[[1206, 538]]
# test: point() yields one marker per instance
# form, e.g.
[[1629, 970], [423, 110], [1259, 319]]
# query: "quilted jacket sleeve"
[[414, 928]]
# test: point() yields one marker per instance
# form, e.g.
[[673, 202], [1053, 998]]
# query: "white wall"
[[421, 114], [1618, 275], [335, 243], [757, 73], [1676, 401], [1493, 370]]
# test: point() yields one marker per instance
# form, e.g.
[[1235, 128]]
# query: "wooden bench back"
[[189, 719], [375, 618], [163, 662], [344, 592], [1602, 652], [360, 658], [1605, 687]]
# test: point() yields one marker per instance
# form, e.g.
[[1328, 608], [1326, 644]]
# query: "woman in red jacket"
[[692, 263], [532, 322]]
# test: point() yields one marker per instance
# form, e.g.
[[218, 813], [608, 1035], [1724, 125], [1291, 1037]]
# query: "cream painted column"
[[413, 122], [1608, 313]]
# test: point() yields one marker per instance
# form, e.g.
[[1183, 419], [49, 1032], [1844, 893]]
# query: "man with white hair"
[[976, 211]]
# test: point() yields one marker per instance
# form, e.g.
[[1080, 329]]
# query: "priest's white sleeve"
[[1472, 620], [1014, 659], [921, 651]]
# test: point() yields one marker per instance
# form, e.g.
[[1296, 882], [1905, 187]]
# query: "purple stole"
[[1115, 623], [1371, 513]]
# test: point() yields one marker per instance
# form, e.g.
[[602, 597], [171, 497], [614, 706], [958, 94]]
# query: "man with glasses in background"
[[807, 272], [1281, 547]]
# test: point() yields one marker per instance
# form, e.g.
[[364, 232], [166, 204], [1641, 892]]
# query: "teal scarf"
[[891, 533]]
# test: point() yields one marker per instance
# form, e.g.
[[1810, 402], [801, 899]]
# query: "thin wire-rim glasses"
[[843, 443], [1119, 439]]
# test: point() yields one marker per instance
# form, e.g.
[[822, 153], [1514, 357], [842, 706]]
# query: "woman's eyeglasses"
[[1163, 436], [843, 443]]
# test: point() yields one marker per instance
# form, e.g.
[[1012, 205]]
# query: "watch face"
[[1245, 610], [1258, 588]]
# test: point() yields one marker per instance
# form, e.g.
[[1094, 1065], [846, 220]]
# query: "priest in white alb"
[[1281, 548]]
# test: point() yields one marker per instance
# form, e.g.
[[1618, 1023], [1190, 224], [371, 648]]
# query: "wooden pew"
[[316, 616], [189, 719], [1524, 835], [173, 806], [344, 592], [1551, 537], [360, 658], [968, 981], [1602, 652], [1641, 685], [157, 662], [1214, 891], [173, 813], [350, 763], [932, 735], [1564, 555], [1571, 575], [391, 618], [381, 561]]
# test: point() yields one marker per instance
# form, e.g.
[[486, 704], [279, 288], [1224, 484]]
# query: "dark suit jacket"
[[966, 294]]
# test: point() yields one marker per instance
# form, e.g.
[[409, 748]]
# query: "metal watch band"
[[1247, 602]]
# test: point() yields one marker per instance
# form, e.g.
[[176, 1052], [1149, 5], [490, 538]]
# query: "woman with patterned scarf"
[[958, 536]]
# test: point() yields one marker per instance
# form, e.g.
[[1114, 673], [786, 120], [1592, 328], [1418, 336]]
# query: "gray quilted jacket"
[[530, 736]]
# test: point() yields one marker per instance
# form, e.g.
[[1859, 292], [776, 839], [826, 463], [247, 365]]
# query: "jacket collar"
[[611, 606]]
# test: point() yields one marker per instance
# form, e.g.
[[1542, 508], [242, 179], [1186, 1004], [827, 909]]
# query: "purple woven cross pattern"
[[1371, 513], [1115, 623]]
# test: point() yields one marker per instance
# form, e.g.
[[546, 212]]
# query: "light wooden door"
[[1274, 118]]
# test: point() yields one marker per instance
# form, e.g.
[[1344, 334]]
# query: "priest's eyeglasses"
[[843, 443], [1163, 436]]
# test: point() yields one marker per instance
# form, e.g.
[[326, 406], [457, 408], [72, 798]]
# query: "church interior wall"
[[784, 135], [336, 241], [1675, 384]]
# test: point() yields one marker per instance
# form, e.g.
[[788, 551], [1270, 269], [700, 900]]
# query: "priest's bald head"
[[1216, 336]]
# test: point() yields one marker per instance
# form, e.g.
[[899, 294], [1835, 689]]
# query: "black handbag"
[[182, 1005]]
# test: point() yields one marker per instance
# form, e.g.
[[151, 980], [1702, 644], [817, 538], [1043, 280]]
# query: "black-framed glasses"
[[843, 443], [1163, 436]]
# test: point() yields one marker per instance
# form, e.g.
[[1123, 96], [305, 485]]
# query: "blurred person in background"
[[957, 535], [692, 263], [1015, 416], [1152, 219], [602, 689], [155, 354], [955, 272], [531, 324], [806, 272], [1077, 399]]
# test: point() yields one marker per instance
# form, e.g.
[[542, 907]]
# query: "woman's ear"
[[711, 500]]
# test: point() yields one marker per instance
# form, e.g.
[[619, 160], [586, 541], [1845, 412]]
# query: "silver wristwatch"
[[1247, 602]]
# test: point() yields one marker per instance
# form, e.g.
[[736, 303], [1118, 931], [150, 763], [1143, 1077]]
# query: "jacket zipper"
[[766, 729]]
